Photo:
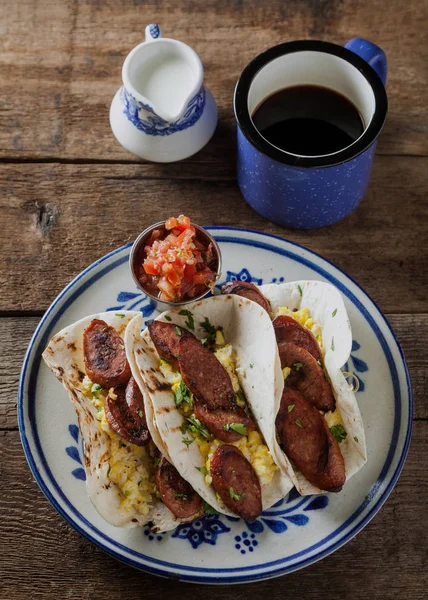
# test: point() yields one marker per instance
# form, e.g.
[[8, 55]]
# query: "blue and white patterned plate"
[[294, 533]]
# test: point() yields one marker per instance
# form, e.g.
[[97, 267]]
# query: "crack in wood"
[[46, 217]]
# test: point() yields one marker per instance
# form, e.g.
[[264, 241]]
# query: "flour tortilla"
[[64, 356], [323, 300], [249, 329]]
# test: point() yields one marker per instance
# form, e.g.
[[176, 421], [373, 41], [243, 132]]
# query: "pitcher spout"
[[163, 75], [163, 112]]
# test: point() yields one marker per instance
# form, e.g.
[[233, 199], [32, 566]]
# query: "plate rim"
[[190, 575]]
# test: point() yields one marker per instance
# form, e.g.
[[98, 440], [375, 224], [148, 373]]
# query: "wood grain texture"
[[15, 334], [60, 218], [44, 558], [60, 64]]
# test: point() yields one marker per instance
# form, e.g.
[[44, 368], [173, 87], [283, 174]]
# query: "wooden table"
[[70, 193]]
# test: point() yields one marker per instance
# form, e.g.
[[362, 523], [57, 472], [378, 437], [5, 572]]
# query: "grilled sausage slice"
[[235, 480], [204, 375], [247, 290], [104, 354], [121, 419], [306, 439], [177, 494], [217, 421], [135, 402], [289, 330], [166, 338], [306, 376]]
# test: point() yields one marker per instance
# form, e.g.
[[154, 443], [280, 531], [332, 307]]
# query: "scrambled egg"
[[130, 466], [251, 446], [303, 317]]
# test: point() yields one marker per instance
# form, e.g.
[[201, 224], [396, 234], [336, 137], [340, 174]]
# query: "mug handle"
[[152, 32], [372, 54]]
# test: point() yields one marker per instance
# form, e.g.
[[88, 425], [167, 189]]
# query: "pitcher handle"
[[152, 32], [372, 54]]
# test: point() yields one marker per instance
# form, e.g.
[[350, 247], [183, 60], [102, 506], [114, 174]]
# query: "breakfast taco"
[[129, 477], [320, 441], [204, 370]]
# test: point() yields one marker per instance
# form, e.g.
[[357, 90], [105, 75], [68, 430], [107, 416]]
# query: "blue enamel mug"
[[305, 192]]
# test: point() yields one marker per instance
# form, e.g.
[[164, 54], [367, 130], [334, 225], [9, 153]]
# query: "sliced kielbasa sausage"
[[289, 330], [135, 402], [236, 482], [105, 356], [122, 421], [306, 439], [204, 375], [218, 421], [177, 494], [247, 290], [166, 338], [306, 376]]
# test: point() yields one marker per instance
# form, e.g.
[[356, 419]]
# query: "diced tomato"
[[150, 268], [177, 265], [183, 222], [171, 223]]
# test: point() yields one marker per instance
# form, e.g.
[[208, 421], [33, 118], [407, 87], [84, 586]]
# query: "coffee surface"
[[308, 120]]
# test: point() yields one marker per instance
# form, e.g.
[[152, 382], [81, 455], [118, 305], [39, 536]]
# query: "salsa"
[[177, 262]]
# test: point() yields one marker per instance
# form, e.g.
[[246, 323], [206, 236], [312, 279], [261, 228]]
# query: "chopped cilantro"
[[183, 496], [235, 496], [290, 407], [300, 289], [195, 426], [178, 330], [95, 389], [334, 313], [241, 396], [187, 441], [167, 318], [251, 365], [299, 365], [202, 470], [338, 432], [209, 510], [238, 427], [204, 341], [182, 394], [298, 423], [332, 343], [190, 320], [119, 315], [209, 329], [355, 438], [140, 413], [127, 492]]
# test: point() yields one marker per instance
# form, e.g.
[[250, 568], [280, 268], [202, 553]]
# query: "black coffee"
[[309, 120]]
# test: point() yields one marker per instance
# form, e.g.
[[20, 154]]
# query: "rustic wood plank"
[[60, 64], [387, 559], [60, 218], [15, 334]]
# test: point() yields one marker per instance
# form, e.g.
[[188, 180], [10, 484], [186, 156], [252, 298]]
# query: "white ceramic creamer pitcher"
[[162, 112]]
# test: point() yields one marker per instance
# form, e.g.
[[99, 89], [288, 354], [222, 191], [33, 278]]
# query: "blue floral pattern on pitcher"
[[154, 125]]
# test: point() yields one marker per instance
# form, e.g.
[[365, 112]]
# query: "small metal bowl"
[[162, 305]]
